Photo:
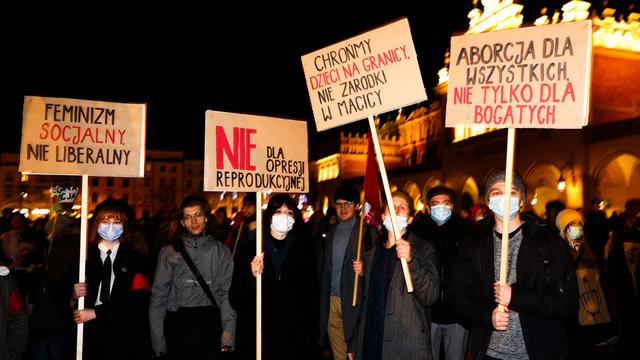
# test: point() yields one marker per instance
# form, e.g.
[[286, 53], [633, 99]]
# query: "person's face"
[[345, 209], [402, 208], [248, 209], [441, 199], [194, 219]]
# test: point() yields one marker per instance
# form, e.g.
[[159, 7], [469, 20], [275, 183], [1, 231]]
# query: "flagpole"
[[387, 192], [358, 251]]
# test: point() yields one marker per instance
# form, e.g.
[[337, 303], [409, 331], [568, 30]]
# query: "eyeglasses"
[[191, 217], [344, 205]]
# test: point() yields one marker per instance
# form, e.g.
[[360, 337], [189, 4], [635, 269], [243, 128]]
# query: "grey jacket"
[[13, 321], [175, 286], [407, 324]]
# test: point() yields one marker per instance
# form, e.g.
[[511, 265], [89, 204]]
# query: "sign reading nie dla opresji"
[[82, 137], [534, 77], [369, 74], [255, 153]]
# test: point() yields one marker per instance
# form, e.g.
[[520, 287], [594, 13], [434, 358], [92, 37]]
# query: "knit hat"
[[500, 177], [565, 217]]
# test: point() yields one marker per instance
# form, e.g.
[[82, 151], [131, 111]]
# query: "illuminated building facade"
[[600, 161]]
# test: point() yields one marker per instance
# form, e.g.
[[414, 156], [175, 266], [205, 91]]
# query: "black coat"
[[545, 293], [120, 329], [446, 240], [289, 299]]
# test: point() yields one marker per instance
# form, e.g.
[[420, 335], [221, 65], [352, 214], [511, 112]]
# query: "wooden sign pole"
[[259, 277], [83, 257], [504, 254]]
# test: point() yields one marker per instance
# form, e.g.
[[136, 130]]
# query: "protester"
[[445, 230], [116, 290], [540, 293], [51, 327], [337, 314], [594, 325], [13, 318], [393, 323], [624, 275], [190, 315], [289, 287], [244, 224]]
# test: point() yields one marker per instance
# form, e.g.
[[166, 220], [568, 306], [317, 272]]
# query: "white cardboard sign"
[[368, 74], [255, 153]]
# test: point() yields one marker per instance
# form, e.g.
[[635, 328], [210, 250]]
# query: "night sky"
[[182, 59]]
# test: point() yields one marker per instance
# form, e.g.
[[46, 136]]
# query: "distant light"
[[562, 185]]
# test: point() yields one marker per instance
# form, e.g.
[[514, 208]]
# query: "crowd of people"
[[183, 285]]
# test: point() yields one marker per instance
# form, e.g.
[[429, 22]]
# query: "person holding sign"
[[337, 315], [540, 293], [190, 314], [116, 289], [289, 291], [393, 323]]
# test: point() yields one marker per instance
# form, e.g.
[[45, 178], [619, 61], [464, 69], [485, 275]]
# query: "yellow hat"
[[565, 217]]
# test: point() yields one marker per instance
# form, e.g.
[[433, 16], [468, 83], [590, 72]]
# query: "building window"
[[162, 168], [189, 183], [125, 182], [95, 181], [147, 181], [172, 181], [173, 169], [110, 182], [125, 198], [94, 197], [189, 172]]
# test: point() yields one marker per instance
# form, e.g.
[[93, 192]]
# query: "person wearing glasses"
[[116, 290], [190, 314], [337, 315]]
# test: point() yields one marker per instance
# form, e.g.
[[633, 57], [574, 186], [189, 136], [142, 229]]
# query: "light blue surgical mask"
[[496, 204], [402, 223], [110, 232], [440, 213]]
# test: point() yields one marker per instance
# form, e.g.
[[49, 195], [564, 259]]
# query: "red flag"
[[372, 196]]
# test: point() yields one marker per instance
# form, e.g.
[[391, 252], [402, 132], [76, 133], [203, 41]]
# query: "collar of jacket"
[[193, 241]]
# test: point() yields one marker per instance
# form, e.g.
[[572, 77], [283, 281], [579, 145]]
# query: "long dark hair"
[[110, 208], [276, 203]]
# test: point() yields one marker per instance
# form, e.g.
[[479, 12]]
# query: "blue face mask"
[[496, 204], [110, 232], [440, 213]]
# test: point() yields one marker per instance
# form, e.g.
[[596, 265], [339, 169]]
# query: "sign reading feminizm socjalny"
[[368, 74], [534, 77], [255, 153], [82, 137]]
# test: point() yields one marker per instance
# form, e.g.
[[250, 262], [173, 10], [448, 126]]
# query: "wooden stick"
[[504, 253], [83, 257], [358, 251], [259, 277], [387, 192]]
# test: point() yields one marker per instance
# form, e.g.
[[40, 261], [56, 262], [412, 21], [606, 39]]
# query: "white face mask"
[[402, 223], [110, 232], [440, 213], [282, 223], [496, 204]]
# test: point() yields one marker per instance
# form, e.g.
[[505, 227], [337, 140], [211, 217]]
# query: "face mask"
[[402, 223], [496, 204], [440, 213], [282, 223], [110, 232], [575, 232]]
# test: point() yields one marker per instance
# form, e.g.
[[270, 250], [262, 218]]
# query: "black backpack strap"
[[196, 272]]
